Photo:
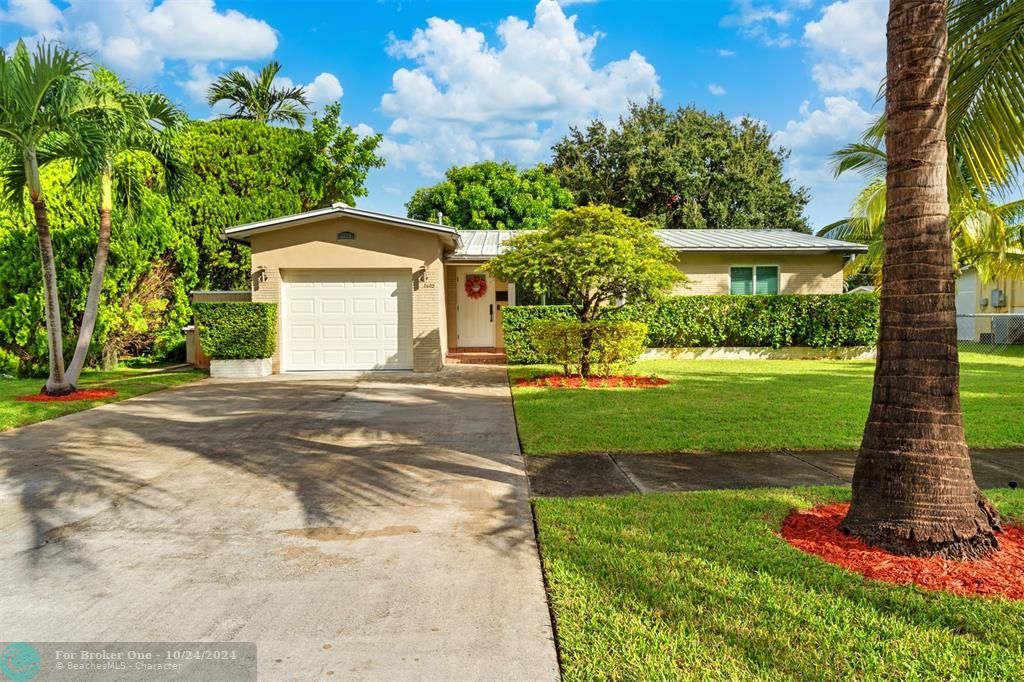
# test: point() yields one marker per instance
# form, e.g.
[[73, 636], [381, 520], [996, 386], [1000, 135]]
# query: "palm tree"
[[139, 124], [42, 99], [913, 489], [986, 234], [985, 134], [258, 99]]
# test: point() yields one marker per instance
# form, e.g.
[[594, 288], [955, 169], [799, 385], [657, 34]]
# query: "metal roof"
[[485, 244], [242, 232]]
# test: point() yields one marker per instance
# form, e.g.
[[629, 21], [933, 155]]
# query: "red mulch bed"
[[614, 381], [96, 394], [816, 531]]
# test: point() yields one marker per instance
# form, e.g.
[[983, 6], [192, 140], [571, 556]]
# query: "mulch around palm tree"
[[612, 381], [816, 531], [94, 394]]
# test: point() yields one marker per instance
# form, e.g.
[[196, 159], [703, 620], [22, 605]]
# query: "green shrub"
[[237, 330], [615, 344], [559, 342], [817, 321]]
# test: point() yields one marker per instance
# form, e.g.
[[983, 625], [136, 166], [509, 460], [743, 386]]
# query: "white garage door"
[[347, 319]]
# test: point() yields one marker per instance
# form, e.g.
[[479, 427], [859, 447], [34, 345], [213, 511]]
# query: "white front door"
[[346, 319], [475, 319]]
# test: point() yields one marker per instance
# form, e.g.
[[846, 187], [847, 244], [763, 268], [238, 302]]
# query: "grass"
[[127, 382], [700, 586], [725, 405]]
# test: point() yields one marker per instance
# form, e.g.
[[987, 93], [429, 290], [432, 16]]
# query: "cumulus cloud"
[[137, 37], [36, 15], [812, 138], [466, 100], [764, 22], [716, 89], [848, 42]]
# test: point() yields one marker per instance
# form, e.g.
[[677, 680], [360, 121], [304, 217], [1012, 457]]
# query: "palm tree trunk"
[[92, 301], [913, 489], [56, 384]]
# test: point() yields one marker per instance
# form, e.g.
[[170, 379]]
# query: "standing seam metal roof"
[[484, 244]]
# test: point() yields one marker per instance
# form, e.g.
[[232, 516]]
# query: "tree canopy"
[[244, 171], [683, 169], [595, 258], [491, 196]]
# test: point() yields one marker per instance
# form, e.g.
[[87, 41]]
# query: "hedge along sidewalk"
[[813, 320]]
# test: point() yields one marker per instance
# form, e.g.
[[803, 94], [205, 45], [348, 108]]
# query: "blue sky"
[[456, 82]]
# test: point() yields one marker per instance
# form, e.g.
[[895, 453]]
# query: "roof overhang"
[[853, 248], [243, 233]]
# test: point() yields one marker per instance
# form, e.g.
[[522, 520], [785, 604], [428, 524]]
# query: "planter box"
[[240, 369]]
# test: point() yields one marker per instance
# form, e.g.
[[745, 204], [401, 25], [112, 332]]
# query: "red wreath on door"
[[476, 286]]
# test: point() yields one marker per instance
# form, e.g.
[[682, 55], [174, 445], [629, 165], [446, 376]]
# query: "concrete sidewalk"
[[355, 528], [613, 474]]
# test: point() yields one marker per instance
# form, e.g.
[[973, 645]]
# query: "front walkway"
[[612, 474], [372, 527]]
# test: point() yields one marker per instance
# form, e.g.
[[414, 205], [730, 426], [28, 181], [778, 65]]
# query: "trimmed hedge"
[[817, 321], [237, 330]]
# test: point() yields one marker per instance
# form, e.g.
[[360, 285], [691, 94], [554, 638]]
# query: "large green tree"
[[492, 196], [913, 489], [684, 169], [243, 171], [257, 98]]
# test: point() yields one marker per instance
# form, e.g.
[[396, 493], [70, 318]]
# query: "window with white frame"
[[753, 279]]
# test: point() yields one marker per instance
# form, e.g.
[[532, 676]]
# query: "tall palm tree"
[[42, 99], [913, 489], [258, 98], [139, 124]]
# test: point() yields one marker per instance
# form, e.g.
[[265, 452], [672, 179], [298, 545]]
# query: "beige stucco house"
[[363, 290]]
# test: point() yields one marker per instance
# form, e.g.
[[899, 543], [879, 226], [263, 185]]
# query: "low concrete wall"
[[754, 353], [240, 369]]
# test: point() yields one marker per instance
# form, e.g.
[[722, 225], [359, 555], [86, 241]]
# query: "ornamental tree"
[[596, 259]]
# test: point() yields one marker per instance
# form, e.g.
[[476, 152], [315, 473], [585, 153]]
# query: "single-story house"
[[359, 289], [989, 311]]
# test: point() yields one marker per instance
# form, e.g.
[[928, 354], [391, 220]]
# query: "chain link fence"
[[990, 333]]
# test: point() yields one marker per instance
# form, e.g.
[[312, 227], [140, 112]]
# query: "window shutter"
[[741, 281], [767, 279]]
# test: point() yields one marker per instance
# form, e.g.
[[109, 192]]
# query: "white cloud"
[[324, 89], [37, 15], [841, 121], [716, 89], [722, 52], [848, 42], [136, 37], [763, 22], [811, 139], [466, 100]]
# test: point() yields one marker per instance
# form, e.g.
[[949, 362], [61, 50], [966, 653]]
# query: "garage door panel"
[[329, 306], [347, 320]]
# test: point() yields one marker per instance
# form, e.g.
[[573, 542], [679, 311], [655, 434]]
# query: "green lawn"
[[700, 586], [728, 405], [127, 382]]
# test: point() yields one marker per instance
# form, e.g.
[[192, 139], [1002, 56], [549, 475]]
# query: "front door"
[[474, 294]]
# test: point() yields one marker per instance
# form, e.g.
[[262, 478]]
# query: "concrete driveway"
[[373, 527]]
